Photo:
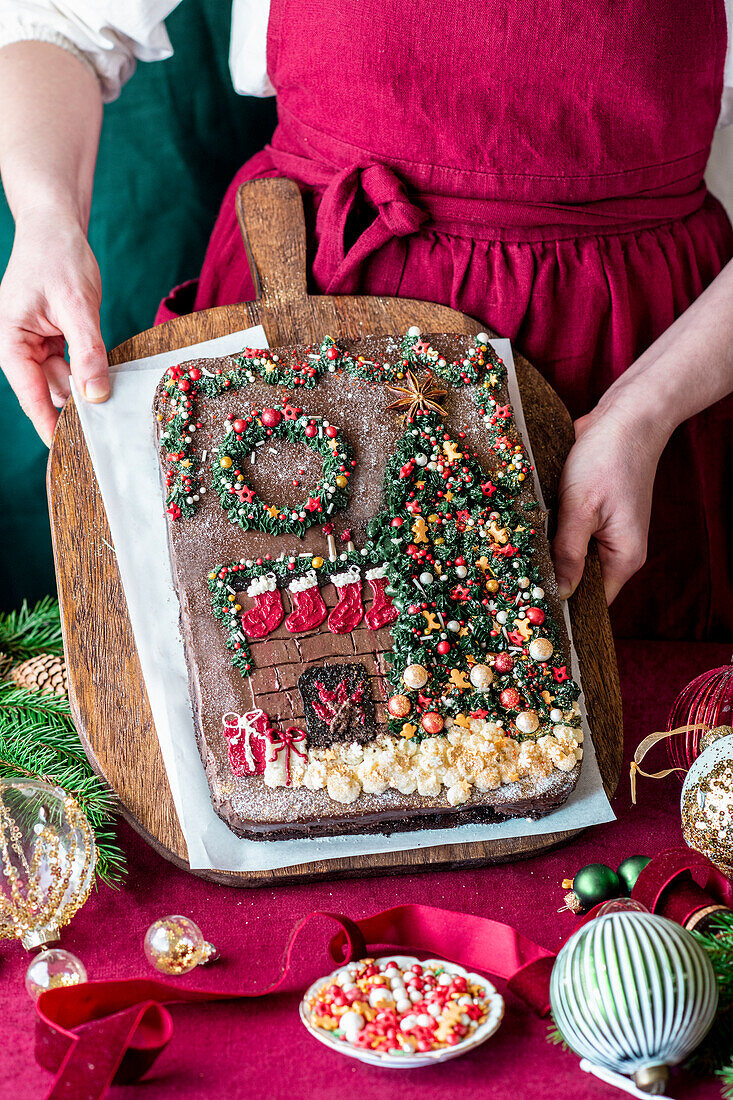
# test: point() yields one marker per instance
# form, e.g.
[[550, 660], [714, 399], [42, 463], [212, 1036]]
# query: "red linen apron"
[[540, 167]]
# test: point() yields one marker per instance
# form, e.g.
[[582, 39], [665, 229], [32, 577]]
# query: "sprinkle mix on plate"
[[376, 1005]]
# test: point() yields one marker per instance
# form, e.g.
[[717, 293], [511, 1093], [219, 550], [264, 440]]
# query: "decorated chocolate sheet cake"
[[368, 607]]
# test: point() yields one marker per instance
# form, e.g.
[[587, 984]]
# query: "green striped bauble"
[[633, 993]]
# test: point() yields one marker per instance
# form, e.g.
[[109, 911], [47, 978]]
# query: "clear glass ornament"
[[621, 905], [175, 945], [51, 969], [48, 856]]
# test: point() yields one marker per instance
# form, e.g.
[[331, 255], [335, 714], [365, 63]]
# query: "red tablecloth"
[[261, 1050]]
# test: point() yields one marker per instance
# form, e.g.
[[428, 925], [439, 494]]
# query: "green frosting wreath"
[[244, 435]]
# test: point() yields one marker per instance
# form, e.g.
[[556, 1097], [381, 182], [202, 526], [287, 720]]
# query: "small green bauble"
[[629, 871], [596, 883]]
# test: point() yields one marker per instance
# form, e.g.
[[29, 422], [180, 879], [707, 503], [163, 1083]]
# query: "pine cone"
[[5, 663], [45, 673]]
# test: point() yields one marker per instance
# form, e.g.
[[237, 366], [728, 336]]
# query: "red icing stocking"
[[309, 610], [383, 611], [349, 610], [267, 613]]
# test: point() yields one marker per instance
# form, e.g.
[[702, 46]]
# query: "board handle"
[[270, 214]]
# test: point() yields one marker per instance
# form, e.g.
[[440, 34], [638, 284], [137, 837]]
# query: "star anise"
[[416, 396]]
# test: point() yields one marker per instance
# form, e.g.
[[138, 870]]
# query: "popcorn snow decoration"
[[480, 757]]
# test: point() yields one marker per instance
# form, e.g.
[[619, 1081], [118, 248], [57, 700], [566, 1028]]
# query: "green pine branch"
[[726, 1076], [37, 735], [31, 630], [715, 1056], [718, 943]]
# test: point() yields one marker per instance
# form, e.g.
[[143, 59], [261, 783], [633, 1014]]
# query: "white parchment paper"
[[121, 442]]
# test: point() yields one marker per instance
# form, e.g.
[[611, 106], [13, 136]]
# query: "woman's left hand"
[[606, 492]]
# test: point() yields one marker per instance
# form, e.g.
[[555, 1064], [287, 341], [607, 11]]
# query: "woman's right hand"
[[51, 293]]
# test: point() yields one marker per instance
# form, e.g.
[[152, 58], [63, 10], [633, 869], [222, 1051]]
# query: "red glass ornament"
[[399, 706], [510, 698], [432, 722], [503, 663], [707, 700], [271, 417]]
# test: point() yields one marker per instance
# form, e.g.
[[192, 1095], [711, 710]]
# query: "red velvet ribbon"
[[105, 1031], [95, 1033], [667, 886]]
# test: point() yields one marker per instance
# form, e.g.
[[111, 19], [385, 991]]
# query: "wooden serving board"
[[107, 692]]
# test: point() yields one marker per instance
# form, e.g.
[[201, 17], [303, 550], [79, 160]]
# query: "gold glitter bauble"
[[48, 858], [52, 969], [175, 945], [707, 803]]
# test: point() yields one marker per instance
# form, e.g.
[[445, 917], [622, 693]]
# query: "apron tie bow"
[[336, 269]]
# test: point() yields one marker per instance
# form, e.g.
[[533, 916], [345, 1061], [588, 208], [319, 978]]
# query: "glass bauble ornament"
[[594, 884], [633, 993], [706, 805], [175, 945], [629, 871], [48, 858], [707, 700], [621, 905], [52, 969]]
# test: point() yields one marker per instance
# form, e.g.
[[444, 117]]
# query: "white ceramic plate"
[[410, 1061]]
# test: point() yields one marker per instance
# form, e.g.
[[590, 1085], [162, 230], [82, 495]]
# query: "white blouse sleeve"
[[248, 48], [110, 36]]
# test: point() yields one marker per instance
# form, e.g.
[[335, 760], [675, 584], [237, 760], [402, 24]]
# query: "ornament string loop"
[[648, 743]]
